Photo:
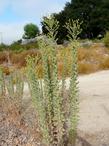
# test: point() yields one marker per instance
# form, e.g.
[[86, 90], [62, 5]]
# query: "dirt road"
[[94, 108]]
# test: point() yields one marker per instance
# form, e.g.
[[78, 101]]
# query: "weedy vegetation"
[[58, 120], [12, 86], [57, 106], [2, 84], [106, 39]]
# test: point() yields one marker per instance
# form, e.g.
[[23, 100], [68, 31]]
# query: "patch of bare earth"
[[94, 108], [18, 125]]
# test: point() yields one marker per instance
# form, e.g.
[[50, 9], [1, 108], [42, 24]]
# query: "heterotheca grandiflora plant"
[[12, 86], [2, 83], [57, 119], [15, 86], [74, 30]]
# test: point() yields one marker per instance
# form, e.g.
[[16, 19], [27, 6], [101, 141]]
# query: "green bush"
[[57, 109], [57, 114], [106, 39], [12, 85], [2, 83], [3, 47]]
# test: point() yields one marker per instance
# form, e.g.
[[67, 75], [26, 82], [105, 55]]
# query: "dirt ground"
[[94, 108]]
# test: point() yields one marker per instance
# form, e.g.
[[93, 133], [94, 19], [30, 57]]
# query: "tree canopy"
[[30, 31], [93, 14]]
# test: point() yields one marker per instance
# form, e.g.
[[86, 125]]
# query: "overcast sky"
[[14, 14]]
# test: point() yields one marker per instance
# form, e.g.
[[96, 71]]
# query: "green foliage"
[[30, 31], [2, 83], [15, 46], [18, 47], [15, 86], [93, 14], [37, 96], [51, 25], [3, 47], [57, 119], [106, 39], [53, 99], [73, 27], [19, 85], [10, 86]]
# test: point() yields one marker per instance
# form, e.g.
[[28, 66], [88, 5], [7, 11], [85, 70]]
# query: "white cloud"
[[28, 10], [11, 32], [36, 8], [33, 8]]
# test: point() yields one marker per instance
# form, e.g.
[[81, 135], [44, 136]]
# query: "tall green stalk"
[[37, 97], [51, 91], [19, 85], [10, 85], [57, 120], [73, 27], [2, 83]]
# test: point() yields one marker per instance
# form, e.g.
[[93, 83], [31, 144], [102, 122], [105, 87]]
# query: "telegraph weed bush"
[[2, 83], [11, 84], [48, 95], [106, 39]]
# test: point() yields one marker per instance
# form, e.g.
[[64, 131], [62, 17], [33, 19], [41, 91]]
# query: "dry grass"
[[89, 59], [3, 57], [19, 59], [82, 53], [105, 63], [87, 67], [18, 119]]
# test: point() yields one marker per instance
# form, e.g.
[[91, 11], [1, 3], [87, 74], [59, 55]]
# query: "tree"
[[93, 14], [30, 31]]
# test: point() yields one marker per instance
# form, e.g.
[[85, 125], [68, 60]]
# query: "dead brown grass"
[[105, 63], [89, 59], [3, 57], [87, 67], [21, 118], [82, 53], [19, 59]]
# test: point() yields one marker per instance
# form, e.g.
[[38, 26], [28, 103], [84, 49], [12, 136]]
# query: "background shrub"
[[106, 39]]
